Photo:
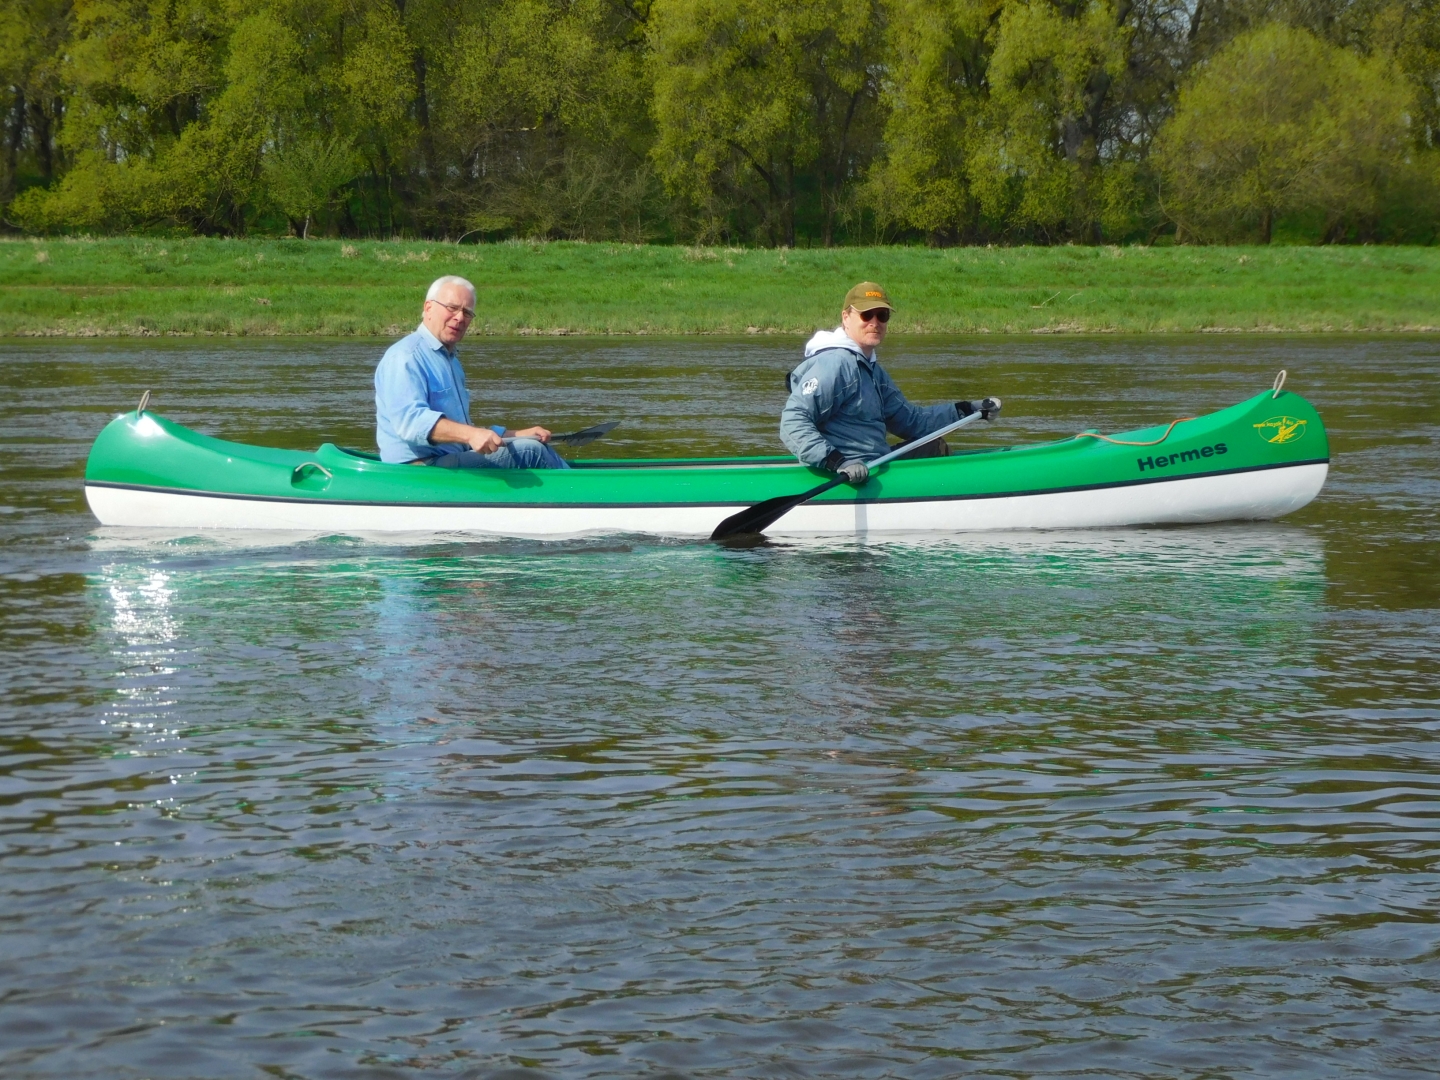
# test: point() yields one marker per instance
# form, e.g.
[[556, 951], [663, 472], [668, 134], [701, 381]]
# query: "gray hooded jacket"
[[842, 400]]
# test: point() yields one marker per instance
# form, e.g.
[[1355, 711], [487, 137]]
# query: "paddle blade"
[[586, 435], [758, 518]]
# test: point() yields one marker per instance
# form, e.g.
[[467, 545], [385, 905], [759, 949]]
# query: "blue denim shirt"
[[840, 399], [417, 382]]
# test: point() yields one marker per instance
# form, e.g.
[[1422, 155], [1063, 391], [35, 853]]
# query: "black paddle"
[[758, 518], [584, 436]]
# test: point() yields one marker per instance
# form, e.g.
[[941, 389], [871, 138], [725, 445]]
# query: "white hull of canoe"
[[1260, 495]]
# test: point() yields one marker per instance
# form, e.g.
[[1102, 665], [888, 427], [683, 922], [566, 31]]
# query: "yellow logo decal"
[[1281, 429], [874, 294]]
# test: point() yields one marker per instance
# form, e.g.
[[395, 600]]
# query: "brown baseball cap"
[[867, 296]]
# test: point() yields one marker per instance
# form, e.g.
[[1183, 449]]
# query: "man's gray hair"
[[445, 282]]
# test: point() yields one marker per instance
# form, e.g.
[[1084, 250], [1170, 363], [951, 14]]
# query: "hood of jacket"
[[832, 339]]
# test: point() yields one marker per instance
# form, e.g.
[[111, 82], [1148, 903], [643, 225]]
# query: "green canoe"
[[1260, 459]]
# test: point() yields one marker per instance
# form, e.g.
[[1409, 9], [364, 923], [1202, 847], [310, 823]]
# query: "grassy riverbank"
[[324, 287]]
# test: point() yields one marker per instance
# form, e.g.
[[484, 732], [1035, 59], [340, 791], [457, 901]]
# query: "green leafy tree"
[[546, 106], [935, 88], [1409, 32], [211, 177], [171, 105], [1036, 159], [1280, 122], [303, 179], [1018, 117], [377, 99], [757, 100], [949, 120], [34, 35]]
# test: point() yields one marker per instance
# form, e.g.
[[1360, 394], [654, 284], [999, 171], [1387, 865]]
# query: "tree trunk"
[[1196, 18], [427, 137], [422, 117], [348, 226], [1267, 225], [832, 201], [43, 129], [13, 137], [773, 216], [789, 209]]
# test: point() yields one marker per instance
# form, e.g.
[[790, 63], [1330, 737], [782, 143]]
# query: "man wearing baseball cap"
[[842, 402]]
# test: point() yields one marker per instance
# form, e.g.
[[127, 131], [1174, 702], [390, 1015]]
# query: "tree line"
[[776, 122]]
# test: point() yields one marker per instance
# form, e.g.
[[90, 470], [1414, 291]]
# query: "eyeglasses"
[[469, 313], [879, 314]]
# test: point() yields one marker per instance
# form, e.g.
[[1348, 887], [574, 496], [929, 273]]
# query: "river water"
[[1148, 803]]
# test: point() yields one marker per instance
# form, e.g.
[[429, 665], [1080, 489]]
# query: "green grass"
[[330, 287]]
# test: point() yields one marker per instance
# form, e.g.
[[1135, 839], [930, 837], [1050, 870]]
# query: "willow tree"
[[34, 35], [170, 110], [760, 102], [546, 109], [936, 86], [305, 176], [952, 120], [1019, 117], [1036, 159], [1280, 122]]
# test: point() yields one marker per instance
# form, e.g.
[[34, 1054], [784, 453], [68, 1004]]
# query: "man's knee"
[[516, 454], [534, 454]]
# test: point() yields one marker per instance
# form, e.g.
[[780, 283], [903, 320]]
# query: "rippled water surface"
[[1159, 803]]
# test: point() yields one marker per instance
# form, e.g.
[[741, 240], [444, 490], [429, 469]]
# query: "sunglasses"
[[879, 314]]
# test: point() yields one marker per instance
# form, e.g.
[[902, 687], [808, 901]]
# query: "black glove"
[[852, 472], [988, 409]]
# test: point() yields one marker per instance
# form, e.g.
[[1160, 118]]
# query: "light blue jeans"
[[517, 454]]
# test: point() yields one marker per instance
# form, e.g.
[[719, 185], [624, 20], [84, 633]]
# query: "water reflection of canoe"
[[1257, 460]]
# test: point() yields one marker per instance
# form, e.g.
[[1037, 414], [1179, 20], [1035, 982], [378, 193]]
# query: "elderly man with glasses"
[[422, 408], [842, 402]]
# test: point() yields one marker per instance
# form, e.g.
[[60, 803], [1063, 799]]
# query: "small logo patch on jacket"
[[811, 385]]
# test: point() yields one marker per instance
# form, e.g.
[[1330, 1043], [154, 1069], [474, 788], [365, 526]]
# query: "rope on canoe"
[[1123, 442], [1279, 382]]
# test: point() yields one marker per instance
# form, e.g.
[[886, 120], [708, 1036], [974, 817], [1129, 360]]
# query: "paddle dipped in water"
[[758, 518]]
